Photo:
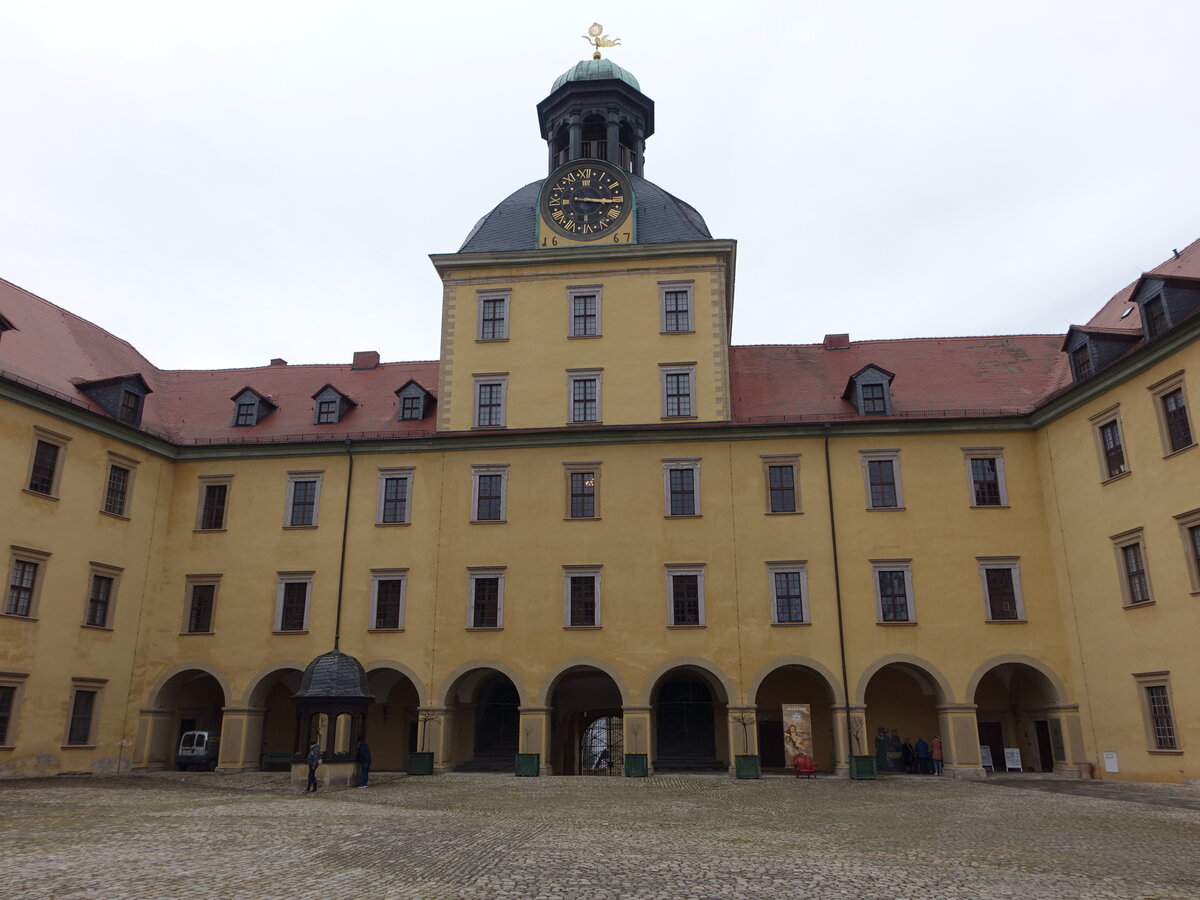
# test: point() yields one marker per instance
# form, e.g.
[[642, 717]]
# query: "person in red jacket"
[[937, 755]]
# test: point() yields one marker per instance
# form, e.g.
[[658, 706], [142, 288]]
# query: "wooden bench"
[[275, 759]]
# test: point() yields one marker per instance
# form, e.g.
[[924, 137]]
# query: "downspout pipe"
[[837, 591], [337, 626]]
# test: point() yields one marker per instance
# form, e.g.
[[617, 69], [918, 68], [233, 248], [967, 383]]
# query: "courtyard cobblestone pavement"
[[255, 836]]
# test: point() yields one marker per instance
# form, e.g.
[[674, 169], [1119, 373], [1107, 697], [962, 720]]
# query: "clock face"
[[586, 200]]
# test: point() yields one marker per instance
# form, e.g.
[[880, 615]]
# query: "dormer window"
[[331, 406], [250, 407], [870, 390], [121, 397], [131, 408], [415, 402], [1155, 316], [1081, 362]]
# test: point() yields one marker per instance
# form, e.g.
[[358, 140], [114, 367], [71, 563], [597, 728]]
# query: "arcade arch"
[[586, 724], [690, 722], [484, 706], [902, 696], [189, 698], [1016, 706], [794, 683], [393, 719]]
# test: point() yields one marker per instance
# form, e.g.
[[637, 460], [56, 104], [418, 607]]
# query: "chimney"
[[837, 342], [365, 359], [278, 362]]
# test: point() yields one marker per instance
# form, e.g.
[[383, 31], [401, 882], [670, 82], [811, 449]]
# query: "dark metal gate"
[[602, 747]]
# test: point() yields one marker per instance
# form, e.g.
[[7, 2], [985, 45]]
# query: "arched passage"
[[902, 698], [794, 684], [272, 692], [190, 699], [691, 730], [485, 704], [1013, 702], [392, 719], [585, 723]]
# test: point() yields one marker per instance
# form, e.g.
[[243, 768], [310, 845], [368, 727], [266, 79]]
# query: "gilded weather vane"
[[598, 39]]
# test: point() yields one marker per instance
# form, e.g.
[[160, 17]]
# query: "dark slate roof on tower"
[[334, 674], [662, 218]]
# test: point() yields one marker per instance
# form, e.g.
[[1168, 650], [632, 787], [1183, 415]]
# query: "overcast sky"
[[220, 183]]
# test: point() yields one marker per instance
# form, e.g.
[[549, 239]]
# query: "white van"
[[197, 748]]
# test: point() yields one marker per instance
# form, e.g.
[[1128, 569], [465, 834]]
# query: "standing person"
[[937, 755], [313, 759], [895, 751], [910, 756], [922, 751], [364, 762], [881, 748]]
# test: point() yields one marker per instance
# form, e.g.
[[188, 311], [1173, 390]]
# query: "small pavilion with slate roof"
[[331, 708]]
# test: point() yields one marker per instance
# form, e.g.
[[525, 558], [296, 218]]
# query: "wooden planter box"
[[529, 764], [862, 767], [745, 765], [420, 763], [636, 765]]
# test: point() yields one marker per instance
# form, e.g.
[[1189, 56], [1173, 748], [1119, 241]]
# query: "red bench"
[[804, 765]]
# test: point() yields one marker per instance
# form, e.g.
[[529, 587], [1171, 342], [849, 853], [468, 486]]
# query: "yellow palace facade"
[[594, 522]]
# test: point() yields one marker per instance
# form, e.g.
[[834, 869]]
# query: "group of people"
[[894, 755], [314, 759]]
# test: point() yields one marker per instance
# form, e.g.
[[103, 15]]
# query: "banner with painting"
[[797, 731]]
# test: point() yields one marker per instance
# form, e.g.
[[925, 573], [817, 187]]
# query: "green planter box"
[[745, 765], [529, 764], [420, 763], [862, 767], [636, 765]]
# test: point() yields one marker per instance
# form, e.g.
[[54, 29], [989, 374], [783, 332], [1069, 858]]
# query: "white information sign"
[[1110, 761], [1012, 759], [985, 757]]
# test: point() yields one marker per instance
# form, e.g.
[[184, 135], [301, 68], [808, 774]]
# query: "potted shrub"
[[745, 764], [862, 766], [636, 764], [420, 762], [528, 764]]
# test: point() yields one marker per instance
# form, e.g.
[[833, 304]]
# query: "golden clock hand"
[[592, 200]]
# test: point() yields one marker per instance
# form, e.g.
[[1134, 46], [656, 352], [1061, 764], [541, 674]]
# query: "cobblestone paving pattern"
[[255, 837]]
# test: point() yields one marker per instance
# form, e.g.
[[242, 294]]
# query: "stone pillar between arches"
[[152, 746], [435, 730], [535, 735], [1074, 748], [849, 736], [241, 739], [959, 730], [635, 724]]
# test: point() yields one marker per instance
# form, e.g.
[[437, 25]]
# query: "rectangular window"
[[304, 489], [582, 599], [582, 490], [789, 593], [1135, 573], [291, 602], [1001, 580], [585, 397], [1081, 360], [1189, 530], [682, 483], [1114, 450], [83, 707], [214, 497], [985, 476], [8, 702], [116, 490], [1193, 543], [489, 401], [1156, 317], [486, 600], [1179, 431], [201, 603], [246, 414], [488, 502], [676, 301], [131, 408], [1157, 715], [584, 313], [45, 465], [22, 584], [781, 487], [893, 591], [874, 400], [327, 412], [387, 599], [100, 600], [394, 496], [493, 317], [677, 391], [685, 597], [412, 409], [881, 474]]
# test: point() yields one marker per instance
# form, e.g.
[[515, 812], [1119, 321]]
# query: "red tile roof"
[[1186, 263]]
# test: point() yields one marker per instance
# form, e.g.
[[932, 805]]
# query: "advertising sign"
[[797, 731]]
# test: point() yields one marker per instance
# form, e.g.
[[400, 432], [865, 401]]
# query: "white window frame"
[[113, 573], [475, 573], [1013, 565], [1146, 680], [587, 290], [894, 565], [1188, 521], [673, 570], [677, 464], [215, 481], [1120, 542], [787, 567], [576, 375], [570, 572], [996, 453], [480, 380], [782, 460], [669, 369], [38, 558], [866, 457], [667, 286], [380, 575], [45, 436], [115, 460], [1101, 419], [194, 581], [506, 305], [1159, 390], [500, 469], [314, 475], [581, 468], [403, 473], [286, 578]]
